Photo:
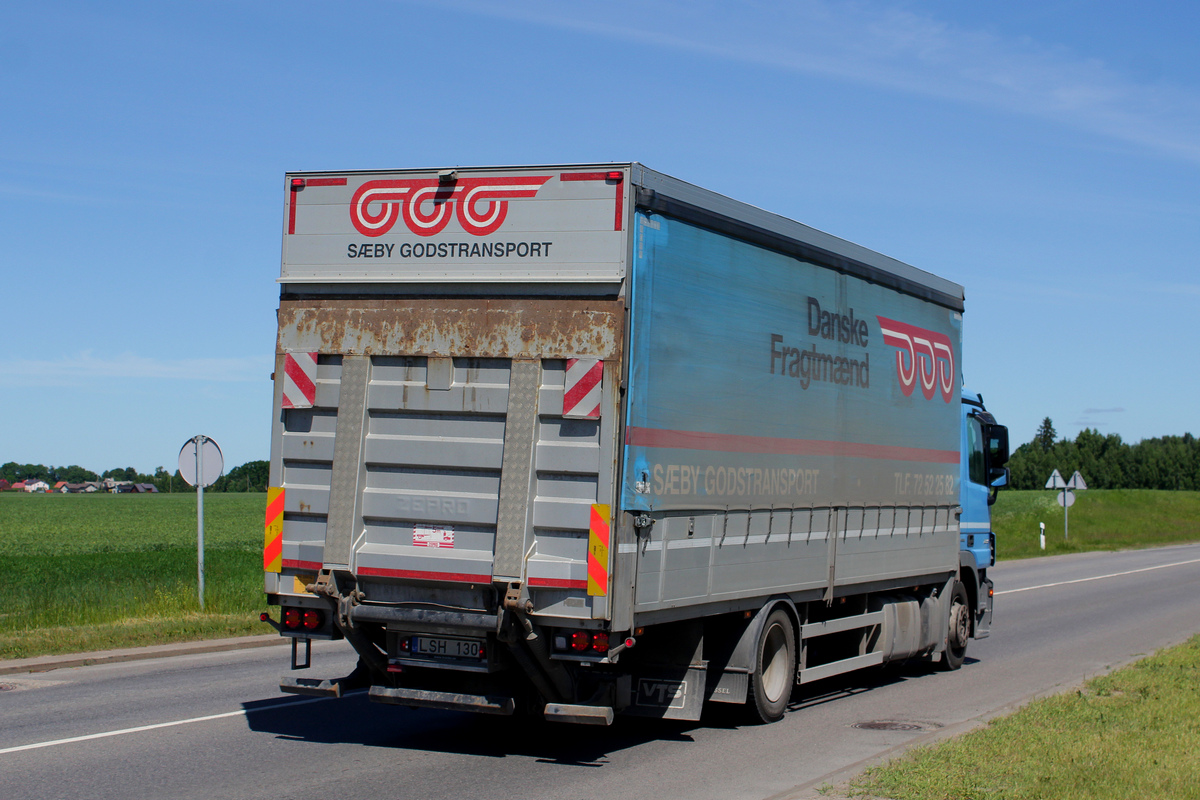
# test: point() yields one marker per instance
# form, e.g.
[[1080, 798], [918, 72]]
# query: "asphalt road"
[[215, 725]]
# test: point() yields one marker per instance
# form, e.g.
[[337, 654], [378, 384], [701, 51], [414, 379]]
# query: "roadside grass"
[[87, 572], [1101, 519], [1134, 733]]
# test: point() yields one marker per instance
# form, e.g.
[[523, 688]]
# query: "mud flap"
[[983, 619], [669, 694], [729, 686]]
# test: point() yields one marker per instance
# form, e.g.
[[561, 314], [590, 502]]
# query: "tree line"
[[1106, 462], [249, 477]]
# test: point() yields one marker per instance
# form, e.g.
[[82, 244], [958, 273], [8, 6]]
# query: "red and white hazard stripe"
[[299, 380], [581, 396]]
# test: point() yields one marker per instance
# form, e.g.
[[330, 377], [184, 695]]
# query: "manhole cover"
[[889, 725]]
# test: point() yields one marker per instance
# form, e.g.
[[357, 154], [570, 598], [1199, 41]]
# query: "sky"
[[1043, 154]]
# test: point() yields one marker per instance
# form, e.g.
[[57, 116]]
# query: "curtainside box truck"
[[588, 440]]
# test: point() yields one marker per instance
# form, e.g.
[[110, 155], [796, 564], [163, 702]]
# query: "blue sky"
[[1045, 155]]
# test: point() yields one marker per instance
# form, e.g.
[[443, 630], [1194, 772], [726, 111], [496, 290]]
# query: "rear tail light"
[[582, 641], [303, 619]]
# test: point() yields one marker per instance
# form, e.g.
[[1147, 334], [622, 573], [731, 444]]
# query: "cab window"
[[975, 469]]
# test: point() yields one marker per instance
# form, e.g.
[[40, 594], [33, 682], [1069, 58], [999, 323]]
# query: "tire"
[[959, 629], [774, 672]]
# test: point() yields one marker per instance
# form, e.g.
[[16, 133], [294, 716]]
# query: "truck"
[[587, 440]]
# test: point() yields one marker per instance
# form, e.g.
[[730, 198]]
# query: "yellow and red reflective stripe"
[[273, 530], [597, 560]]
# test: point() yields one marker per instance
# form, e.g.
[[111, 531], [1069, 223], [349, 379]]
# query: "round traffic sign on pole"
[[205, 450], [1066, 498]]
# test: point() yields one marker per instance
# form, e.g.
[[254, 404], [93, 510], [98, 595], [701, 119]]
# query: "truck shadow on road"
[[853, 683], [355, 720]]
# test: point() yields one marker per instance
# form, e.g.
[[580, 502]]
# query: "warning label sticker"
[[424, 536]]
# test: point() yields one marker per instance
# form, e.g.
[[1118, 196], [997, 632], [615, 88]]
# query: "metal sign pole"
[[200, 516]]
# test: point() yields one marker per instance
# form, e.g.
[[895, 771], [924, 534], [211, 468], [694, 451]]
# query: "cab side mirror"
[[998, 478], [996, 447]]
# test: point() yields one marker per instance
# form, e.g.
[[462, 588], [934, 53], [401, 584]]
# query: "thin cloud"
[[1089, 411], [878, 45], [86, 367]]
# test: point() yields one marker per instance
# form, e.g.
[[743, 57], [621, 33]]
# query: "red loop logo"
[[481, 204], [922, 355]]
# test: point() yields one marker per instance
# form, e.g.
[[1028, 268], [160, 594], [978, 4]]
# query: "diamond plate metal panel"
[[515, 479], [344, 497]]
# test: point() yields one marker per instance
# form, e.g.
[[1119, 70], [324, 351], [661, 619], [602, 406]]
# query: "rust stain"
[[484, 328]]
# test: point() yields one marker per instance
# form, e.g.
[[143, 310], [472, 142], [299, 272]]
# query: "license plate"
[[437, 647]]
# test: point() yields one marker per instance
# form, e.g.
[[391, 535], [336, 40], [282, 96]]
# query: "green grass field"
[[87, 572], [1101, 519], [1131, 734]]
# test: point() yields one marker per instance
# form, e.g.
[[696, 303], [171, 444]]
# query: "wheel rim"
[[960, 626], [775, 673]]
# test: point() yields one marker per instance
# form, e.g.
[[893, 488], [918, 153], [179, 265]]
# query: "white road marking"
[[140, 728], [1099, 577]]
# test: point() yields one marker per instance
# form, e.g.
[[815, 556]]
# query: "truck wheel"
[[959, 630], [774, 667]]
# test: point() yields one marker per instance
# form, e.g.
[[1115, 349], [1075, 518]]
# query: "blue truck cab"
[[983, 473]]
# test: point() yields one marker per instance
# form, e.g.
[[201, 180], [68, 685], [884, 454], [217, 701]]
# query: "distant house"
[[110, 485], [37, 486], [19, 486], [61, 486], [4, 485], [145, 488], [76, 488], [90, 486]]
